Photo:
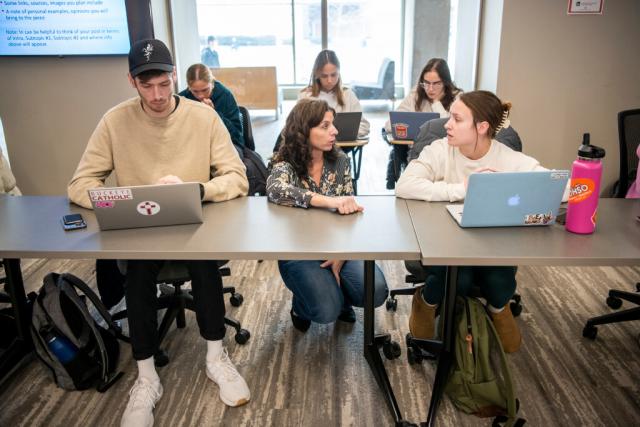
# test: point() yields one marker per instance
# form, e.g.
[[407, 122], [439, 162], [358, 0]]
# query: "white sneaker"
[[233, 388], [142, 399]]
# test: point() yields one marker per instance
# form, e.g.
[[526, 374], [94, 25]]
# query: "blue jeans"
[[317, 295]]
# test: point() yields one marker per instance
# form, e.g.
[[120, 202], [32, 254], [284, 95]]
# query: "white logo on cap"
[[148, 208], [147, 51]]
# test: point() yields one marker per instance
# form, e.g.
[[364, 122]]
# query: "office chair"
[[384, 88], [171, 278], [629, 138], [247, 131], [398, 159]]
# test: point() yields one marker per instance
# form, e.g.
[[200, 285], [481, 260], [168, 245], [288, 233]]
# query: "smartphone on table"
[[73, 221]]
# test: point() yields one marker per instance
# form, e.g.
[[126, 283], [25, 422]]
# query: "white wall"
[[567, 75]]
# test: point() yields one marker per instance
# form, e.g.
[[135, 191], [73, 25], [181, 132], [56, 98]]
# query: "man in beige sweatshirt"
[[155, 138]]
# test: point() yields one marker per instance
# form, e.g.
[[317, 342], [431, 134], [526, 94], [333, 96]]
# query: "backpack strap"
[[512, 403], [95, 300]]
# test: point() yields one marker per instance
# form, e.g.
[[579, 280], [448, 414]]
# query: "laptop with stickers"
[[147, 205], [348, 125], [503, 199], [405, 125]]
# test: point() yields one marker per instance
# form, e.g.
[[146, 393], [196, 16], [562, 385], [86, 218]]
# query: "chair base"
[[614, 301]]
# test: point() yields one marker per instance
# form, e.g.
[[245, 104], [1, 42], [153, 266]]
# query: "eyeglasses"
[[435, 85]]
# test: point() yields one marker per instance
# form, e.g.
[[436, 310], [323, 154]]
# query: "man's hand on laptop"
[[169, 179]]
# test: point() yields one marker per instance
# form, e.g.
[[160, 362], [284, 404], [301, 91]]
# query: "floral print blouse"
[[285, 187]]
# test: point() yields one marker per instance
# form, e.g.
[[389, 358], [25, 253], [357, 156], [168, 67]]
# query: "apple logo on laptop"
[[514, 200]]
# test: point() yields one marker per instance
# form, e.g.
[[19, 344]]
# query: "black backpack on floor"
[[79, 353]]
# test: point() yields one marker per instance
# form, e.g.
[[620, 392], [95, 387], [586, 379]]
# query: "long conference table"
[[252, 228], [240, 229]]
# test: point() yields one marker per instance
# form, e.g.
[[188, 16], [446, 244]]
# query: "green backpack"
[[476, 385]]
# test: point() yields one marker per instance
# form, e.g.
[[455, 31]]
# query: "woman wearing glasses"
[[434, 92], [326, 84]]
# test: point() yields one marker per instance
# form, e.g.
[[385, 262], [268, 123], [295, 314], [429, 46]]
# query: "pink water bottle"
[[586, 173]]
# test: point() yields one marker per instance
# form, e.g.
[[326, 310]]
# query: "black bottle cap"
[[590, 151]]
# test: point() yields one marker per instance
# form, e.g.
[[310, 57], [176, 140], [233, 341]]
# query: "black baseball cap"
[[149, 54]]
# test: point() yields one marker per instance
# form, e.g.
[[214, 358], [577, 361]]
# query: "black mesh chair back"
[[246, 128], [629, 138]]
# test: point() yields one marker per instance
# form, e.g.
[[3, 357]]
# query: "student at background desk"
[[204, 88], [434, 92], [326, 84]]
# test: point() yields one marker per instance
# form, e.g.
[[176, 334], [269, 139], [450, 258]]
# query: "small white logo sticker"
[[559, 175], [148, 208]]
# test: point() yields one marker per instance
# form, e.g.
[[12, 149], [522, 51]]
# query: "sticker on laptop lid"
[[538, 219], [148, 208], [113, 194], [105, 205], [401, 129], [555, 175]]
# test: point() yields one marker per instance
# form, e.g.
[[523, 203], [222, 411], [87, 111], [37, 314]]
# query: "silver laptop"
[[405, 125], [348, 125], [511, 199], [147, 205]]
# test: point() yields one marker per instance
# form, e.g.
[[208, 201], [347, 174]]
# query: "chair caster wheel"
[[161, 358], [516, 308], [614, 302], [590, 332], [392, 304], [517, 298], [242, 336], [413, 357], [407, 339], [391, 350], [236, 299]]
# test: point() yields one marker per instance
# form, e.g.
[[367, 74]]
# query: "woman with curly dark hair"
[[310, 171]]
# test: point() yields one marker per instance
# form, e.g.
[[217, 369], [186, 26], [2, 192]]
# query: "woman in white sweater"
[[440, 173], [326, 84]]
